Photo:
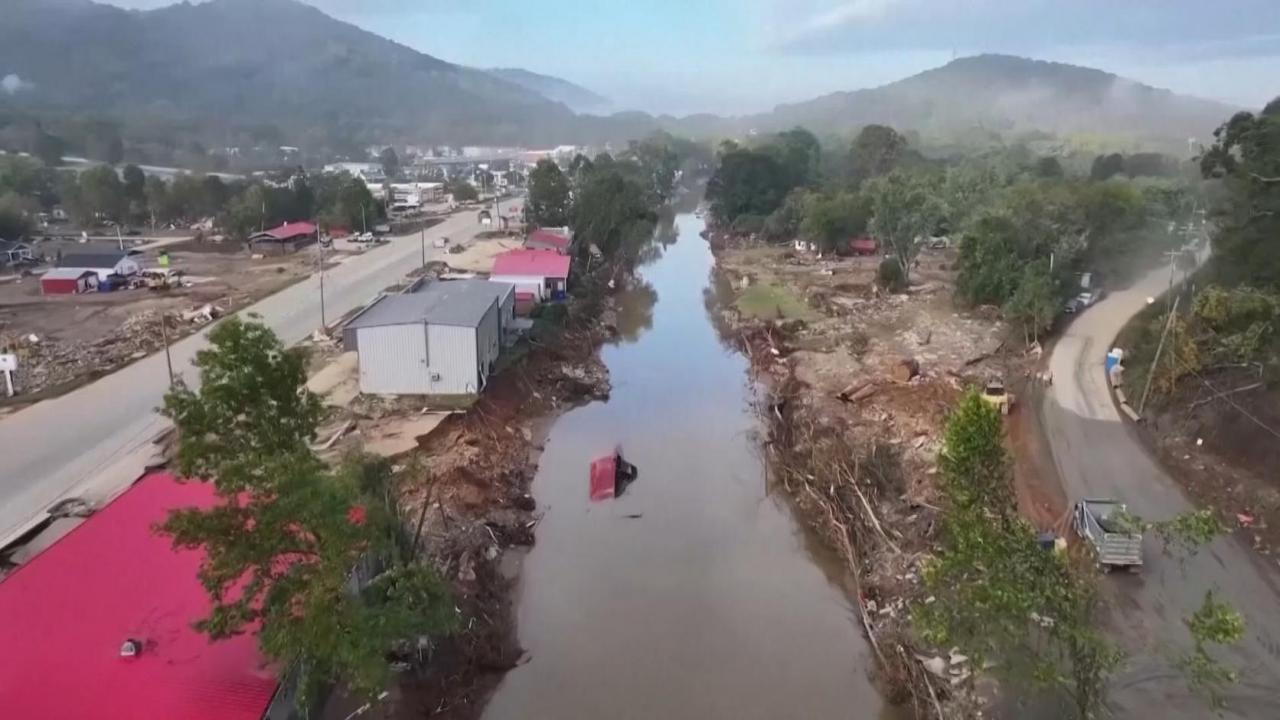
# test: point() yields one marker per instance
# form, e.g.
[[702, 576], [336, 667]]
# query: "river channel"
[[696, 594]]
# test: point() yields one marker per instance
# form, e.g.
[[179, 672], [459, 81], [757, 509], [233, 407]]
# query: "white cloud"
[[11, 84], [848, 13]]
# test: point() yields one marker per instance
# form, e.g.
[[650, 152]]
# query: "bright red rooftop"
[[65, 614], [539, 263]]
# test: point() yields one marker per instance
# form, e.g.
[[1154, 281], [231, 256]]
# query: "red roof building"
[[544, 273], [544, 239], [286, 238], [67, 612]]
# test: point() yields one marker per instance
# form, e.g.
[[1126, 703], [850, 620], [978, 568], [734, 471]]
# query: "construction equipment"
[[995, 393], [161, 279], [1107, 525]]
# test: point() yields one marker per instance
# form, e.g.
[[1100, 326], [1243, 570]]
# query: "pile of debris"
[[53, 366], [855, 402]]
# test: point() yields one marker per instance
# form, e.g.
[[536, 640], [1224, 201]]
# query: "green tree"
[[1246, 158], [549, 201], [783, 224], [135, 182], [1214, 623], [1106, 167], [614, 211], [390, 163], [156, 194], [746, 182], [876, 151], [351, 205], [904, 209], [246, 214], [135, 195], [1034, 303], [799, 154], [16, 216], [1049, 168], [998, 595], [462, 191], [830, 220], [658, 159], [98, 195], [992, 254], [286, 531], [103, 142], [49, 148]]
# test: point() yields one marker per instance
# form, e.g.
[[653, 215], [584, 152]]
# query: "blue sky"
[[733, 56]]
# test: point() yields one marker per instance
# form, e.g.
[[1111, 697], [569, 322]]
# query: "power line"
[[1233, 404]]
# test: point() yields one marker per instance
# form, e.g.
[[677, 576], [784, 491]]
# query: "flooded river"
[[696, 594]]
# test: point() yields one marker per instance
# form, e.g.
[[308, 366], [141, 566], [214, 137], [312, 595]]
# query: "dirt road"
[[61, 447], [1098, 455]]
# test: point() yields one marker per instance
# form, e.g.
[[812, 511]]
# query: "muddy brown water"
[[696, 594]]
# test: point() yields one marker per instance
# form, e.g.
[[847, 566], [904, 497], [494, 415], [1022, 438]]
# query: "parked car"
[[1082, 301]]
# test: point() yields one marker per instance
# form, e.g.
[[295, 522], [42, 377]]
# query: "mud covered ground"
[[859, 384], [1218, 449]]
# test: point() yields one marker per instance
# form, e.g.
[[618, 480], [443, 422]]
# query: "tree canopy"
[[747, 182], [1245, 157], [286, 532], [876, 151], [549, 201]]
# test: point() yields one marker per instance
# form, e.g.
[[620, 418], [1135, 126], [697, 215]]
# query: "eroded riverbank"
[[695, 594]]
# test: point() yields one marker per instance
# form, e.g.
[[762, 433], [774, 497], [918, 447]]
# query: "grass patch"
[[770, 302]]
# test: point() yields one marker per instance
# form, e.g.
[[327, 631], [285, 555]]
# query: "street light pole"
[[164, 335], [424, 249], [323, 320]]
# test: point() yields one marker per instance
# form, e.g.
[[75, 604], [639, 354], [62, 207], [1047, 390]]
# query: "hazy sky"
[[731, 56]]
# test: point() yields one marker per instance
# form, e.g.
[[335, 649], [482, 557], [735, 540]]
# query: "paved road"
[[68, 446], [1098, 455]]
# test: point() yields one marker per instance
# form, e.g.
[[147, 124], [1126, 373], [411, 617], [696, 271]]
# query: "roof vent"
[[130, 648]]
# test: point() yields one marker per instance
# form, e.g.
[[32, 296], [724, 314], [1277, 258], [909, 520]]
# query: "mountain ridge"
[[237, 71], [574, 96]]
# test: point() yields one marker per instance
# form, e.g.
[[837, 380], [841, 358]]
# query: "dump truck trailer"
[[1112, 533]]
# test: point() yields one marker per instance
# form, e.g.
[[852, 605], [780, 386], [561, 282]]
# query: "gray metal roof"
[[92, 260], [453, 302]]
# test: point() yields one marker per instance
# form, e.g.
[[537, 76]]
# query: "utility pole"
[[324, 324], [1142, 404], [424, 249], [164, 335]]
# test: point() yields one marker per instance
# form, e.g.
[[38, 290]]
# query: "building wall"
[[507, 311], [453, 358], [488, 342], [394, 360], [535, 284], [61, 286], [127, 267]]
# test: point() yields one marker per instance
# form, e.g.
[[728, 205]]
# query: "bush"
[[890, 276], [748, 224]]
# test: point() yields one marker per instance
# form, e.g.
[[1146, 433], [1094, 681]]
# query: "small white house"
[[442, 340]]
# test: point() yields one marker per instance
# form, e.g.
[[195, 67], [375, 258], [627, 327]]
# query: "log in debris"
[[858, 391], [979, 358]]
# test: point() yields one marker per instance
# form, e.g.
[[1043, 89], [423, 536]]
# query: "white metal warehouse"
[[441, 340]]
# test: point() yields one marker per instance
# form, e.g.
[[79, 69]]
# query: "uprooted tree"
[[314, 560]]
